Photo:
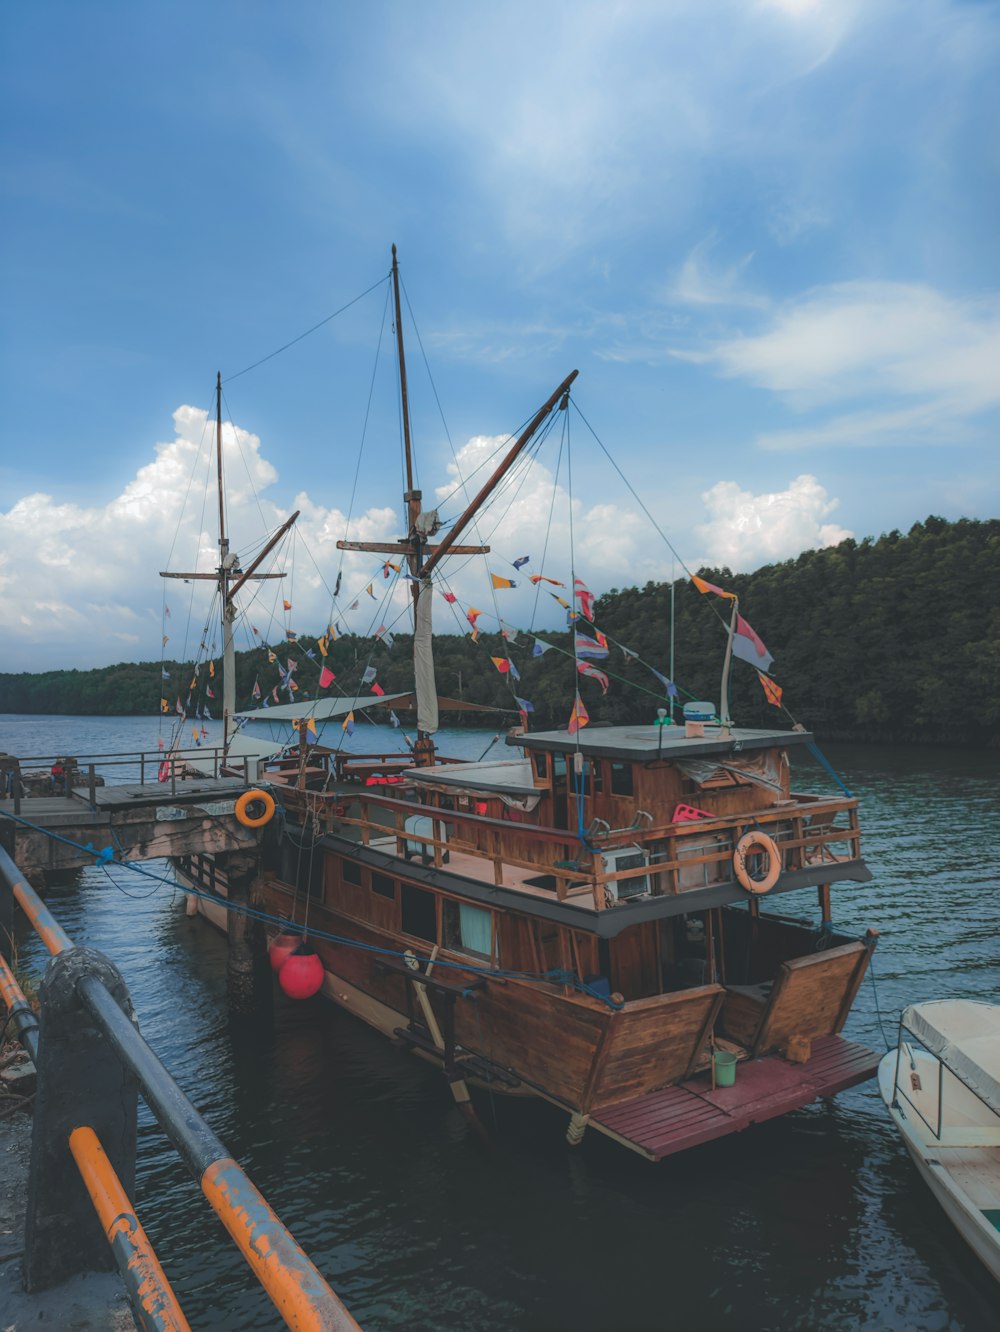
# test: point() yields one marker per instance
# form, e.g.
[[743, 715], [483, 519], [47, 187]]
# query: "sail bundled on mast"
[[423, 661]]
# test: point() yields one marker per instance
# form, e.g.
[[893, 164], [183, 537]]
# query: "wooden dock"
[[675, 1118], [142, 821]]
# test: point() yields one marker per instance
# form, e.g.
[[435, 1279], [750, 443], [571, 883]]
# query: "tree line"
[[894, 639]]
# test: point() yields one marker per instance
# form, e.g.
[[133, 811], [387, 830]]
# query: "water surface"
[[816, 1221]]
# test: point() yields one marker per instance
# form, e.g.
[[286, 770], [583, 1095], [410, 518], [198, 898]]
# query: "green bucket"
[[725, 1068]]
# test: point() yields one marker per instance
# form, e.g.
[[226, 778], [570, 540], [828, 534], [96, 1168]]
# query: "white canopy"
[[240, 747], [320, 709], [965, 1035]]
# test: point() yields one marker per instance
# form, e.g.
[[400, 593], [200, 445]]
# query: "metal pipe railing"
[[298, 1290], [153, 1300]]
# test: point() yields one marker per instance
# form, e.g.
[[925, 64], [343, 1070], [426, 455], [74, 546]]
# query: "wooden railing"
[[806, 833]]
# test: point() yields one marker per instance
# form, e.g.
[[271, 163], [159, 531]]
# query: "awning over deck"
[[965, 1035]]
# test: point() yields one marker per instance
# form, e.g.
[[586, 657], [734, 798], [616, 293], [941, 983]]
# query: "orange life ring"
[[756, 843], [249, 798]]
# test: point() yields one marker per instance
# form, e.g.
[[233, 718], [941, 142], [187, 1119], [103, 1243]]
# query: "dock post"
[[243, 975], [81, 1081]]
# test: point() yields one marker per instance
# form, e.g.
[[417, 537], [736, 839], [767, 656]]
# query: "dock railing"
[[92, 1063]]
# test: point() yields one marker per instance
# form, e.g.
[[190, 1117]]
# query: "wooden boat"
[[596, 920], [944, 1098]]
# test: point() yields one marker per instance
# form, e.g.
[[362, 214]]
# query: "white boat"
[[945, 1100]]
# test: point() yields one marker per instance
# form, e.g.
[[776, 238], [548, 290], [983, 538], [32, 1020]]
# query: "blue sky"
[[765, 233]]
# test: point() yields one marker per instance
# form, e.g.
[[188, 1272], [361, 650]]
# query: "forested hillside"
[[895, 639]]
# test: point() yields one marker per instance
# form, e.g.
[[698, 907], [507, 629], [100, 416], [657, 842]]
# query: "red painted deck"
[[663, 1122]]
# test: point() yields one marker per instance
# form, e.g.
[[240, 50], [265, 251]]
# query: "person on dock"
[[57, 777], [9, 770]]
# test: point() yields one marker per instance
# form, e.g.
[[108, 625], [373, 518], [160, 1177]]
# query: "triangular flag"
[[377, 689], [369, 589], [348, 724], [772, 690], [472, 615], [209, 692], [287, 605], [450, 597], [668, 685], [557, 597], [540, 647], [256, 689], [326, 678], [578, 717], [702, 586], [211, 669], [311, 730], [498, 582]]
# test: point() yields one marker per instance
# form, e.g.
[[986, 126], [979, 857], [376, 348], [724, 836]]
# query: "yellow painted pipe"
[[299, 1293], [51, 933], [153, 1300]]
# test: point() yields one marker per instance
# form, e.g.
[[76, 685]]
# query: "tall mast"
[[226, 562]]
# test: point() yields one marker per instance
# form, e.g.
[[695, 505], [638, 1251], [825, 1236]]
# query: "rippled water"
[[816, 1221]]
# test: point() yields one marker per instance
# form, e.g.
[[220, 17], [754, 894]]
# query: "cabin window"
[[467, 929], [621, 779], [418, 912], [384, 886], [559, 766], [541, 762], [598, 771], [350, 871]]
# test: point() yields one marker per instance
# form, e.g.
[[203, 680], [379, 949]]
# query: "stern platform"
[[675, 1118]]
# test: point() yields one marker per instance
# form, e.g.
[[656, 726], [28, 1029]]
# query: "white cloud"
[[746, 530], [889, 342], [699, 283], [79, 585]]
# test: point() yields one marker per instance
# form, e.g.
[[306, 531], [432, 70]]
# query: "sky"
[[764, 232]]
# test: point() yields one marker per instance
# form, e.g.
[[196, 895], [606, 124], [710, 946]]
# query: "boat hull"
[[944, 1170]]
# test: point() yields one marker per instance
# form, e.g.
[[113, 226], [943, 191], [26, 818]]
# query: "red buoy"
[[302, 974], [281, 948]]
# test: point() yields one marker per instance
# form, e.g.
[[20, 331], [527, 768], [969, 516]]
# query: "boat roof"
[[965, 1036], [511, 777], [642, 743]]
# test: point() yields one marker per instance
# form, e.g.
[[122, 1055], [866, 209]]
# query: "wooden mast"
[[229, 570]]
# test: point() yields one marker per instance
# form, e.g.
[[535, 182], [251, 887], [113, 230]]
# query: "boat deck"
[[675, 1118]]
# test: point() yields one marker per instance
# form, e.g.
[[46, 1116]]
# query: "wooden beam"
[[407, 547]]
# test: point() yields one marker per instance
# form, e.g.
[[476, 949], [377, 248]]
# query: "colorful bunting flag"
[[166, 611], [204, 733], [387, 566], [165, 674], [371, 592], [164, 705], [311, 730], [522, 561], [326, 678], [386, 637], [274, 694], [290, 636], [287, 605], [702, 586], [211, 669], [540, 647], [292, 664], [592, 673], [508, 633], [499, 582], [194, 733], [310, 654], [585, 597], [393, 718], [369, 675], [271, 657], [449, 597], [332, 631], [323, 645], [255, 631], [556, 597], [256, 688], [668, 685], [524, 705], [579, 717], [472, 615], [377, 689], [179, 709], [501, 663], [209, 692], [590, 647], [772, 690], [540, 578], [166, 639], [348, 724]]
